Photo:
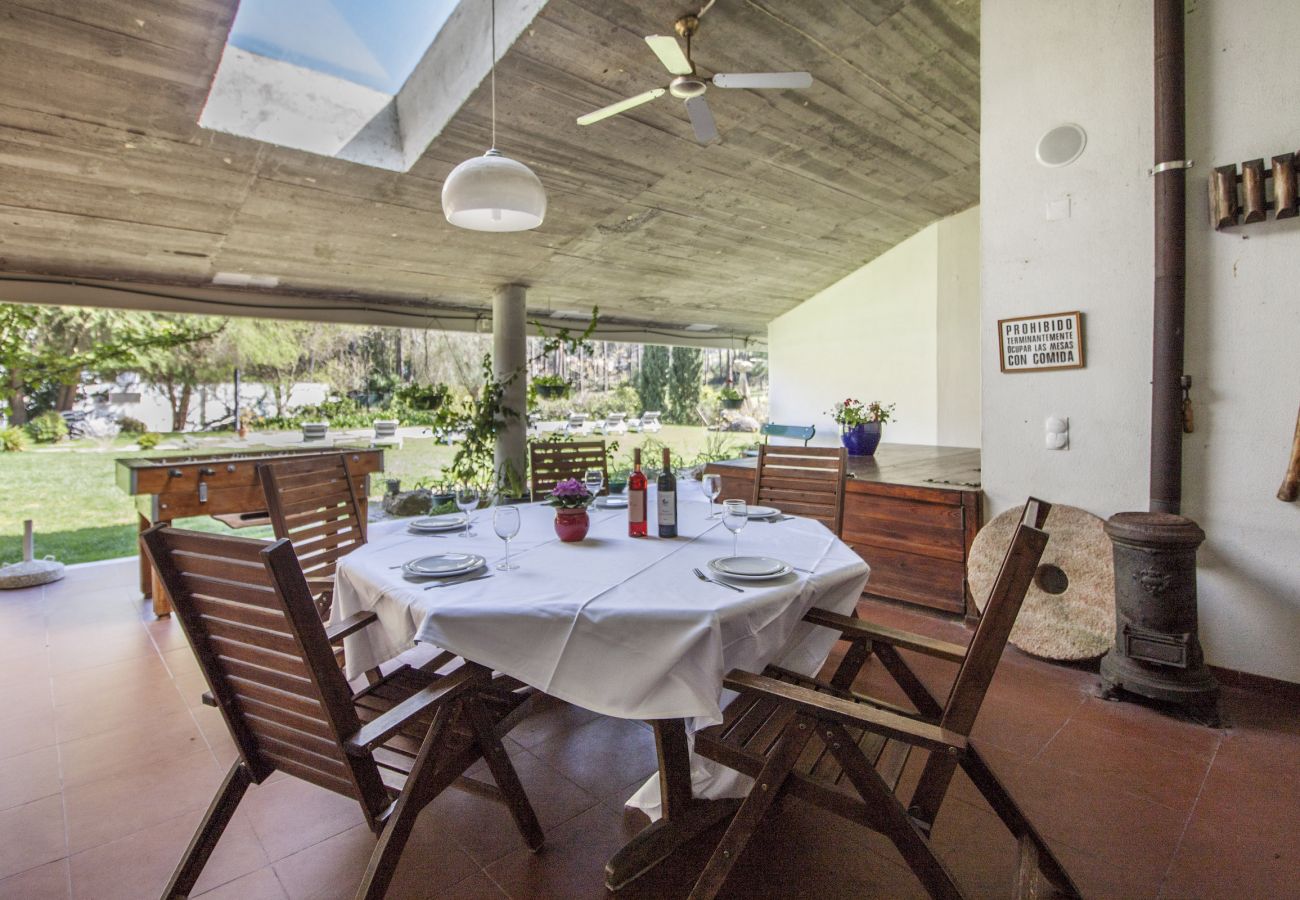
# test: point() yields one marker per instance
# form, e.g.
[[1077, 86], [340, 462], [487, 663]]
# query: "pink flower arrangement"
[[571, 494]]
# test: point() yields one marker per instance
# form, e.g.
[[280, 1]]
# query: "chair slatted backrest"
[[247, 612], [803, 481], [551, 462], [1015, 575], [314, 503]]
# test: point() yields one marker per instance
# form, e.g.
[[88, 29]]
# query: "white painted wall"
[[957, 419], [879, 333], [1090, 61]]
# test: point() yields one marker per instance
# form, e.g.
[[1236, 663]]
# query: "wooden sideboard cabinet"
[[910, 511]]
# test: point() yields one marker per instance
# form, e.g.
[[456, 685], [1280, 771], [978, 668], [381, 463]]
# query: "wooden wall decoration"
[[1229, 207]]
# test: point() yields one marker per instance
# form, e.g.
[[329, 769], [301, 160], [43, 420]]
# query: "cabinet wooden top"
[[918, 465]]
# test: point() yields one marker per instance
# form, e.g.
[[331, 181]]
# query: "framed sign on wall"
[[1038, 343]]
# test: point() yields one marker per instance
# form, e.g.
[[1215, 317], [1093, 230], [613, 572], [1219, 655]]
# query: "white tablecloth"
[[614, 624]]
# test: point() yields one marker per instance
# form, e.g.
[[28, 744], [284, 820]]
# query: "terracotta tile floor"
[[107, 760]]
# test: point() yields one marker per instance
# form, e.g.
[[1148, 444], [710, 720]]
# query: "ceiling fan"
[[690, 86]]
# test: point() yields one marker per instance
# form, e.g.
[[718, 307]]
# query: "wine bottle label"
[[667, 508], [636, 506]]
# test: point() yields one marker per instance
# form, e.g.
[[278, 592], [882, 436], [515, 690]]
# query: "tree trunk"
[[67, 397], [180, 406], [17, 400]]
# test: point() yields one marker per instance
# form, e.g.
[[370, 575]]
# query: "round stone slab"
[[1069, 612]]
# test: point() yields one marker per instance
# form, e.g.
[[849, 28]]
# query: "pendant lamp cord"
[[494, 73]]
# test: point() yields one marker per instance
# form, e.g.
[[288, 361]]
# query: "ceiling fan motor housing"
[[685, 87]]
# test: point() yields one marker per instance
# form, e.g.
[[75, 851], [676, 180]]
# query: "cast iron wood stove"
[[1157, 653]]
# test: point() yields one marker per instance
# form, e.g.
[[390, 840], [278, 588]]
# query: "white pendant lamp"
[[493, 192]]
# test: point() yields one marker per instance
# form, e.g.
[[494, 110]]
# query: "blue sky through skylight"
[[375, 43]]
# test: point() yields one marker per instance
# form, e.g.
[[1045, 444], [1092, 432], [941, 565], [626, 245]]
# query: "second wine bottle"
[[667, 500]]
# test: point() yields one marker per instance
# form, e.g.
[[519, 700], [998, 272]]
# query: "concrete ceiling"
[[106, 176]]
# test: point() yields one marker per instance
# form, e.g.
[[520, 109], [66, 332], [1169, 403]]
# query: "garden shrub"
[[149, 440], [48, 428], [131, 425], [12, 440]]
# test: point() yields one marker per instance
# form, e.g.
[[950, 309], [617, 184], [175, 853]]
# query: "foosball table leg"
[[146, 570], [150, 584], [162, 604]]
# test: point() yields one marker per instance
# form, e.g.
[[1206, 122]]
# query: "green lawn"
[[80, 515]]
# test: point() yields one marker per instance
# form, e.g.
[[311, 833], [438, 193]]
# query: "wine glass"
[[711, 485], [594, 479], [505, 522], [735, 516], [467, 499]]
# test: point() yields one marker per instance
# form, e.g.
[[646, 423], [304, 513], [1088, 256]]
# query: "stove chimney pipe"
[[1170, 293]]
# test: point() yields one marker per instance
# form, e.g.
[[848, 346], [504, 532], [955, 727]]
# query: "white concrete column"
[[509, 355]]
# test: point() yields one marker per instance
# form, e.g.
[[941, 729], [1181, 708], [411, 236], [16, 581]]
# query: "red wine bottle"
[[636, 494], [667, 500]]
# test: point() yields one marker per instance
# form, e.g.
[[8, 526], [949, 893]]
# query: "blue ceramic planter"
[[861, 440]]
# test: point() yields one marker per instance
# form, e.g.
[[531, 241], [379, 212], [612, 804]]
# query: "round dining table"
[[623, 626]]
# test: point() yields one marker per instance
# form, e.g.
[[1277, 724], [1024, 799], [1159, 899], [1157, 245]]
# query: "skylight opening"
[[373, 44], [369, 81]]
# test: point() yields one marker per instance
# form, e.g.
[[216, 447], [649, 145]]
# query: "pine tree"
[[652, 380], [685, 370]]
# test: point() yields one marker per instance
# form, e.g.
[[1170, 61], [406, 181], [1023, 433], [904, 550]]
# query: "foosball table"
[[222, 485]]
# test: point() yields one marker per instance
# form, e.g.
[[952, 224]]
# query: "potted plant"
[[571, 499], [551, 387], [731, 398], [861, 424]]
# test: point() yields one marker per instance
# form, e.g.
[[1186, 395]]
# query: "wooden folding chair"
[[248, 614], [803, 481], [845, 752], [551, 462], [316, 504]]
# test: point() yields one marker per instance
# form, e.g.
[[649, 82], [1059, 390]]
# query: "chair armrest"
[[858, 629], [352, 624], [848, 712], [468, 677]]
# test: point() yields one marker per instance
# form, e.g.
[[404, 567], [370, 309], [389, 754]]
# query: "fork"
[[700, 575]]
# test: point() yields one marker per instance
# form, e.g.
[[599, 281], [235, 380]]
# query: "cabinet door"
[[914, 541]]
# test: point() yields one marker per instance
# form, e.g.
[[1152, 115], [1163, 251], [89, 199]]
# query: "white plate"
[[749, 568], [762, 512], [611, 502], [443, 564], [448, 522]]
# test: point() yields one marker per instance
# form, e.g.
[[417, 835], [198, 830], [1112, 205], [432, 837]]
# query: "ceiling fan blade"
[[764, 80], [621, 106], [670, 53], [702, 120]]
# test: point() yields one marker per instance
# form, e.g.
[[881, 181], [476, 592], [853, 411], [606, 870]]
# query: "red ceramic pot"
[[571, 524]]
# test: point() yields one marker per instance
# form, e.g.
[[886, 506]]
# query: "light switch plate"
[[1057, 433]]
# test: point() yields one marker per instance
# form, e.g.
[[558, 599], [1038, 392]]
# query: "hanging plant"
[[482, 418]]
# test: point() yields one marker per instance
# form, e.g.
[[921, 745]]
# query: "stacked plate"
[[749, 568], [614, 501], [762, 512], [437, 524], [443, 565]]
